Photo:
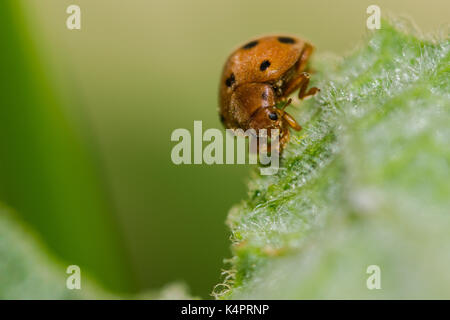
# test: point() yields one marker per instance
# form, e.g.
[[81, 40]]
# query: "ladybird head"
[[273, 118], [266, 118], [254, 105]]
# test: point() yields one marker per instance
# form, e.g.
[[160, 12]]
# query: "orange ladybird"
[[260, 75]]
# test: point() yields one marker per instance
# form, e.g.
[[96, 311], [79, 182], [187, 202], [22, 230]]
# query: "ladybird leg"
[[285, 137], [296, 83], [282, 142], [261, 147], [301, 81], [304, 57], [311, 93], [303, 94], [268, 147]]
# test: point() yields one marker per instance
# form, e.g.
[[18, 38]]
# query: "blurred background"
[[86, 117]]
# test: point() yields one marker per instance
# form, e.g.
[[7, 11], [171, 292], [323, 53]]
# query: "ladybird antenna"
[[286, 104]]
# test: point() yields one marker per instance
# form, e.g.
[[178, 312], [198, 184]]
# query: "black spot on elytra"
[[230, 80], [286, 40], [250, 45], [265, 95], [264, 65], [222, 118]]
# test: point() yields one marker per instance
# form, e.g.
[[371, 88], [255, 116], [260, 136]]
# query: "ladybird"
[[260, 75]]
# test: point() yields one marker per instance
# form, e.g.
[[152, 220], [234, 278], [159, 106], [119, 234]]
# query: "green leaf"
[[365, 183], [28, 271], [48, 171]]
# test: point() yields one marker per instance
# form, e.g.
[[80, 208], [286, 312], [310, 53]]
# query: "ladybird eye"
[[273, 116]]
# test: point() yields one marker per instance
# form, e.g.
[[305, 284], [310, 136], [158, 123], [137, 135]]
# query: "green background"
[[86, 117]]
